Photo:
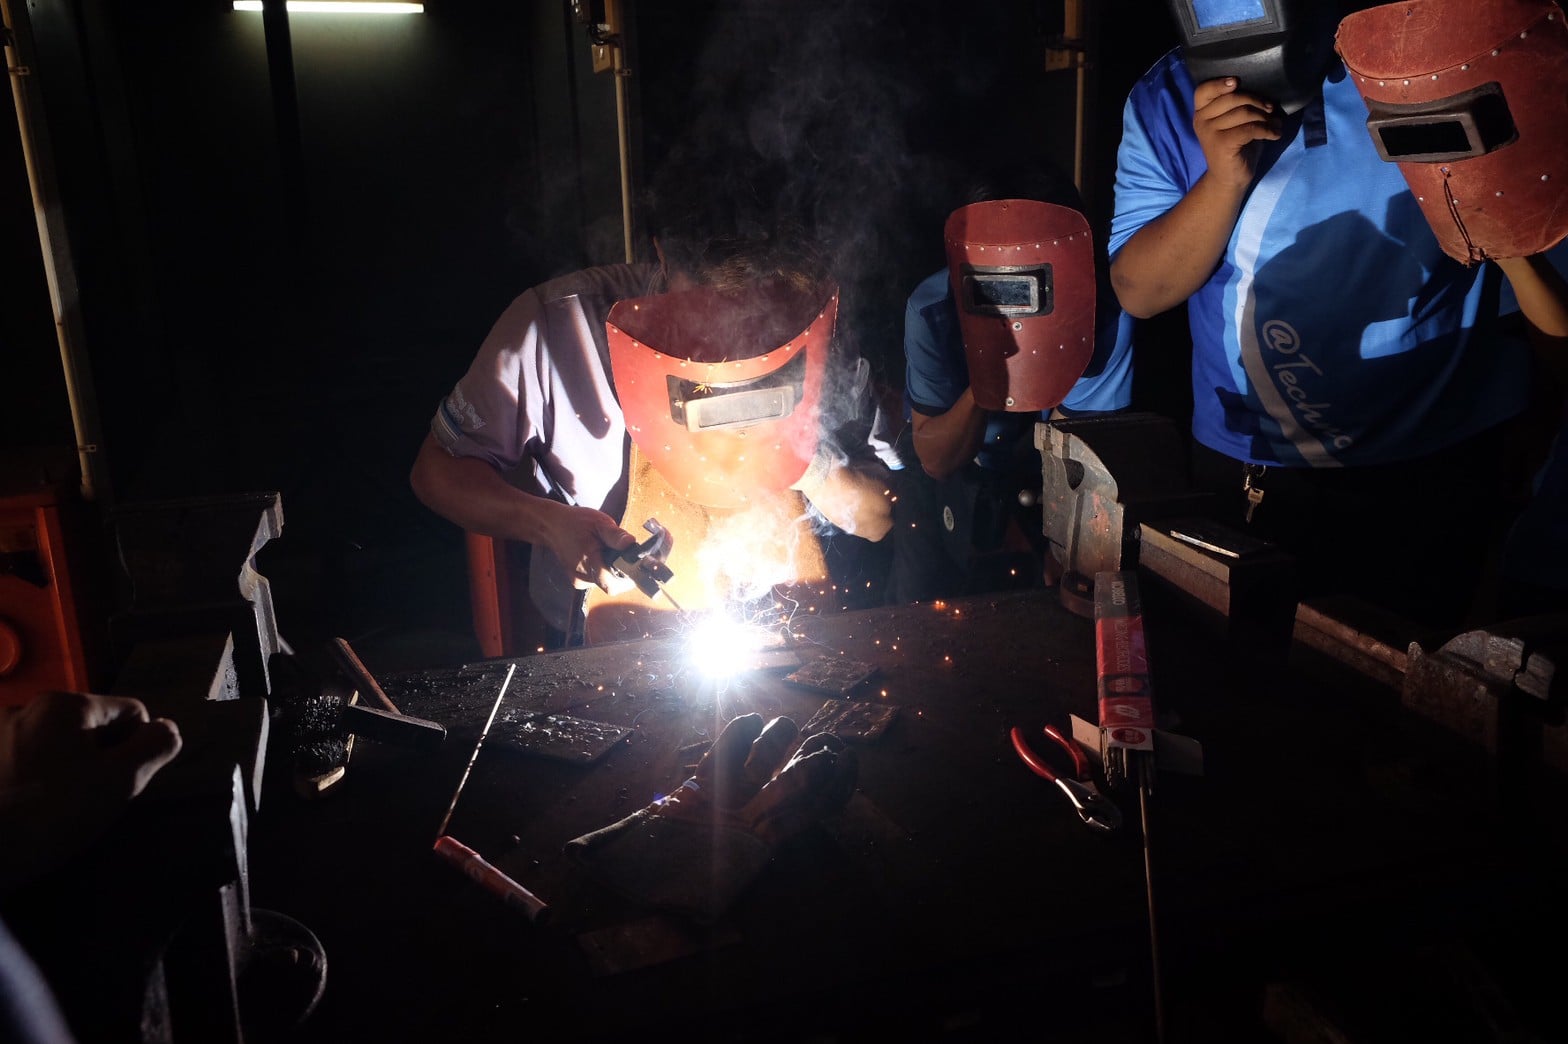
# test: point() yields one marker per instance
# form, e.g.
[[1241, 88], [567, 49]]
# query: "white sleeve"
[[491, 412]]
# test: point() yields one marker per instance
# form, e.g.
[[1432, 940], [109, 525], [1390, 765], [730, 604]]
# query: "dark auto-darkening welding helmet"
[[1279, 49]]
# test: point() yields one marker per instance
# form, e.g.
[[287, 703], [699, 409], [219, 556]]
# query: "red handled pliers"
[[1094, 808]]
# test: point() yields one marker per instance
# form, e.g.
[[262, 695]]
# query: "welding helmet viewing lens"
[[1022, 275], [1462, 126], [737, 404], [1007, 290]]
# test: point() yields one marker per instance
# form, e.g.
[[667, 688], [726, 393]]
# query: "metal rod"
[[666, 592], [623, 142], [1077, 32], [441, 830], [285, 114], [1145, 768], [59, 266]]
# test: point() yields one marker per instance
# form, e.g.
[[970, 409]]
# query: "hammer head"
[[325, 716]]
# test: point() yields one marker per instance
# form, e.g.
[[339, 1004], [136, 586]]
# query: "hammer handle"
[[361, 676]]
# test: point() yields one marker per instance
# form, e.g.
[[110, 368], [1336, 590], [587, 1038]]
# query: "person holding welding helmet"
[[992, 345], [677, 372], [1341, 205]]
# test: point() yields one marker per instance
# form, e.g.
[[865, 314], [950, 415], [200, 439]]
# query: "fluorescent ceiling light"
[[338, 7]]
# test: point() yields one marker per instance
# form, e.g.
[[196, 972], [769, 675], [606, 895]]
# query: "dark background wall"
[[269, 308]]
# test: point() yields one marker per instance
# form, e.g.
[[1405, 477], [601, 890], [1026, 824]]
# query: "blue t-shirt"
[[937, 371], [1335, 331]]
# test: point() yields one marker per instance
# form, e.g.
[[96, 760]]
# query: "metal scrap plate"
[[851, 720], [833, 675], [558, 736]]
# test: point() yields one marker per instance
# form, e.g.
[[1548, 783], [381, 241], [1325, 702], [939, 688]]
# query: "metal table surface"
[[956, 890]]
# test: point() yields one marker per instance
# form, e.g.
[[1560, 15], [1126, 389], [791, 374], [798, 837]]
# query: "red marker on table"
[[474, 867]]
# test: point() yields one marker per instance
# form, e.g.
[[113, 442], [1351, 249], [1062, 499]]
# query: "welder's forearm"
[[472, 494], [1542, 293], [1167, 260], [945, 442]]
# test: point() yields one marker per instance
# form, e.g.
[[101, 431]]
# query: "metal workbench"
[[957, 895]]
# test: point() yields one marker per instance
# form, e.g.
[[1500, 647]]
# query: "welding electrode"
[[471, 863], [440, 830]]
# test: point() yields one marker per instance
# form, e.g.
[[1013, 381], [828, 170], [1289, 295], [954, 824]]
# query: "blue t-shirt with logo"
[[1335, 331]]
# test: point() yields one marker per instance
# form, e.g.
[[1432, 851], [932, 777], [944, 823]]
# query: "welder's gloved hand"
[[696, 850]]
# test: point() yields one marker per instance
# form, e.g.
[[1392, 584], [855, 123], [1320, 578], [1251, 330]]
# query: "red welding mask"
[[721, 389], [1470, 98], [1022, 274]]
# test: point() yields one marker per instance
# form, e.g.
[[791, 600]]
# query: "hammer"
[[332, 716]]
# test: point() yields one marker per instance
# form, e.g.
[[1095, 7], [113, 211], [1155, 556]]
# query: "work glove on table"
[[694, 851]]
